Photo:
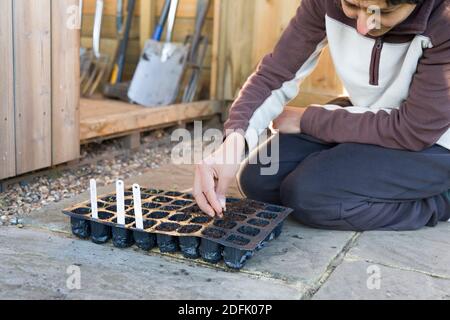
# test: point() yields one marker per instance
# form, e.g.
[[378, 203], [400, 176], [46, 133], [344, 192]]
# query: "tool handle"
[[171, 19], [202, 12], [97, 27], [157, 35], [117, 74], [119, 16], [80, 8]]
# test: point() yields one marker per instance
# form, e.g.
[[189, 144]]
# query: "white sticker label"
[[93, 190], [138, 207], [120, 195]]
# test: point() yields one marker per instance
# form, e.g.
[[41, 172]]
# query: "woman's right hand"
[[215, 174]]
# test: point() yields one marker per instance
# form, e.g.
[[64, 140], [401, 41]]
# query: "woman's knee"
[[256, 186], [309, 198]]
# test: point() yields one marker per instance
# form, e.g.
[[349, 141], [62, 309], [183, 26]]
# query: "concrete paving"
[[302, 264]]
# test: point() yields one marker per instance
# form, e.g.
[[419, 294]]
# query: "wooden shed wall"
[[39, 96], [250, 29], [145, 17]]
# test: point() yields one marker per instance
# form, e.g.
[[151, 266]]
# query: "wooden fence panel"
[[32, 64], [65, 83], [7, 136]]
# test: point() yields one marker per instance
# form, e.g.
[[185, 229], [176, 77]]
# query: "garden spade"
[[157, 79]]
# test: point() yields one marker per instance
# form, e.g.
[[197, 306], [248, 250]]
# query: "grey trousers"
[[353, 186]]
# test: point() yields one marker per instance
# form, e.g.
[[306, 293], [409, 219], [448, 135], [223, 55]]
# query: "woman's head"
[[377, 17]]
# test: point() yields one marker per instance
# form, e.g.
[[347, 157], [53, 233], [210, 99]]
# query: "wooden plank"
[[215, 49], [32, 63], [65, 85], [102, 118], [131, 141], [235, 46], [147, 21], [239, 46], [7, 134]]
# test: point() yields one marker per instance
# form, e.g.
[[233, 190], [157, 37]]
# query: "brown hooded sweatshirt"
[[398, 84]]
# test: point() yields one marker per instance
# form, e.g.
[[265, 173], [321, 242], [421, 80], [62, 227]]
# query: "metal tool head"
[[157, 78]]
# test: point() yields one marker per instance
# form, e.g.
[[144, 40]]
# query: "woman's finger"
[[200, 197], [209, 188]]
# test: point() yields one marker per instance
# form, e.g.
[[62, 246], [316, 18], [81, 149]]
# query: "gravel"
[[105, 162]]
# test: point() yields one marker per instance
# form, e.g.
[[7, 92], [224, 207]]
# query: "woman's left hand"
[[289, 121]]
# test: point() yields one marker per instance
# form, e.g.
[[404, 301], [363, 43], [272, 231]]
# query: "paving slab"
[[300, 255], [35, 264], [350, 282], [426, 251]]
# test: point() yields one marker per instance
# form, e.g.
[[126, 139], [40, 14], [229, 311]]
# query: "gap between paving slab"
[[411, 265], [300, 258]]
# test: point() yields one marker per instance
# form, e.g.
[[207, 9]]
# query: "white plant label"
[[138, 207], [93, 191], [120, 196]]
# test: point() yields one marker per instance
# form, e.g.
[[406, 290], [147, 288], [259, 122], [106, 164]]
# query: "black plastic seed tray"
[[173, 222]]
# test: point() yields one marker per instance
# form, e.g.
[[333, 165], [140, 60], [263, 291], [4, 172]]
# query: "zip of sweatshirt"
[[375, 62]]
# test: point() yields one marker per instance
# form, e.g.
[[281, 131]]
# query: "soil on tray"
[[234, 216], [274, 209], [151, 205], [111, 199], [173, 194], [158, 215], [148, 224], [170, 208], [127, 220], [153, 191], [195, 209], [201, 220], [131, 212], [181, 203], [82, 211], [162, 199], [214, 233], [129, 202], [180, 217], [238, 240], [267, 215], [190, 229], [225, 224], [100, 204], [249, 231], [168, 227], [103, 215], [259, 222]]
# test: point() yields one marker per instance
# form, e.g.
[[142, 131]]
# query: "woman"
[[379, 160]]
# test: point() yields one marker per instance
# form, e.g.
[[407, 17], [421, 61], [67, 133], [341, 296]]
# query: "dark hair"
[[395, 2]]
